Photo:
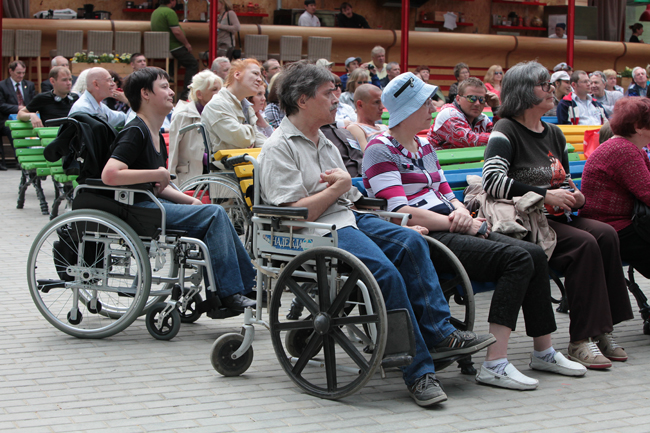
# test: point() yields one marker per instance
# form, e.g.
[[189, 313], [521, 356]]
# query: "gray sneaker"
[[427, 391], [461, 343]]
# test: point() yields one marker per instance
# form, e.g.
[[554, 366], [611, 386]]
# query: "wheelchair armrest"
[[137, 186], [286, 212], [371, 203]]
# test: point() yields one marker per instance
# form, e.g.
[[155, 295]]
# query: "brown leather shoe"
[[610, 348], [587, 353]]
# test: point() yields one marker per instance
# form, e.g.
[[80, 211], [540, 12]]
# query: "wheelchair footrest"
[[400, 341], [221, 313]]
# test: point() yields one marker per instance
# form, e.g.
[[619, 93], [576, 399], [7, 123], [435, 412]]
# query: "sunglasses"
[[362, 82], [545, 86], [339, 86], [498, 73], [473, 98]]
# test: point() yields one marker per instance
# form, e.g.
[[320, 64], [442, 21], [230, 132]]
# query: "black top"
[[51, 106], [634, 38], [134, 147], [356, 22]]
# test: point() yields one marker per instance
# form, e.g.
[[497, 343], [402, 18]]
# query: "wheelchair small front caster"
[[163, 328], [96, 309], [192, 312], [221, 355], [77, 320]]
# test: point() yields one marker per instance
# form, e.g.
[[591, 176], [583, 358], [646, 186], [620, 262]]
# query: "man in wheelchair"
[[300, 167], [139, 156]]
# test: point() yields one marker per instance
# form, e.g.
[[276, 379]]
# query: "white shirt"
[[589, 115], [88, 104], [554, 36], [345, 112], [308, 20]]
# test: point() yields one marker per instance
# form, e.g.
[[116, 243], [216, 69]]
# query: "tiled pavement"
[[131, 382]]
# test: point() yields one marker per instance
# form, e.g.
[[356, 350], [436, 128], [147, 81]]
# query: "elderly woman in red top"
[[616, 173]]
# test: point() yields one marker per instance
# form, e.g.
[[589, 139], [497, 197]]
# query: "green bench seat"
[[47, 132]]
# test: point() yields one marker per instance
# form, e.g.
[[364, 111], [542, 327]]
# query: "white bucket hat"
[[404, 95]]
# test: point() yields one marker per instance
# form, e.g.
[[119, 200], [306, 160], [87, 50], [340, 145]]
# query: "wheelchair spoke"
[[295, 324], [310, 350], [344, 294], [330, 363], [323, 283], [355, 320], [303, 296], [349, 348]]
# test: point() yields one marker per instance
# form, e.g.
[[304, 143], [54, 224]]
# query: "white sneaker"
[[511, 378], [560, 365]]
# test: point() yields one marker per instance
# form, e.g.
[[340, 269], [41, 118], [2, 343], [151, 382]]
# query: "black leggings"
[[635, 250]]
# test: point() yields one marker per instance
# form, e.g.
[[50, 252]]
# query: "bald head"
[[366, 91], [99, 83], [367, 100], [60, 61]]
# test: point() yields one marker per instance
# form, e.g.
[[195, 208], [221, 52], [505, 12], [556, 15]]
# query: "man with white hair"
[[378, 56], [46, 86], [221, 67], [606, 97], [99, 86], [640, 85]]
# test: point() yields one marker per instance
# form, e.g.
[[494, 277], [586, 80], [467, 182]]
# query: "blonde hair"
[[80, 85], [489, 75], [355, 76], [609, 73], [239, 66], [202, 81]]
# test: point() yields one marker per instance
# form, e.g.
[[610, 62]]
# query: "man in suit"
[[46, 86], [15, 94]]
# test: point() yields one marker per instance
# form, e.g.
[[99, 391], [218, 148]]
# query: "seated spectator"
[[378, 56], [616, 174], [293, 174], [357, 78], [120, 103], [80, 86], [611, 76], [139, 155], [493, 78], [46, 86], [269, 69], [606, 98], [99, 86], [562, 83], [403, 169], [392, 71], [272, 112], [308, 17], [228, 117], [351, 63], [367, 100], [463, 124], [461, 72], [563, 67], [526, 154], [187, 157], [578, 107], [348, 147], [560, 32], [221, 67], [325, 63], [637, 30], [138, 61], [345, 114], [53, 104], [639, 86], [349, 19], [425, 72], [258, 105]]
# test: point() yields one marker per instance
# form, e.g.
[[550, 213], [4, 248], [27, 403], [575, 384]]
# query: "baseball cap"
[[324, 62], [560, 75], [404, 95], [352, 59], [560, 67]]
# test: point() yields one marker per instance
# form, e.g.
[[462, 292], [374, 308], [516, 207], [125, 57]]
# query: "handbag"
[[641, 219], [591, 141]]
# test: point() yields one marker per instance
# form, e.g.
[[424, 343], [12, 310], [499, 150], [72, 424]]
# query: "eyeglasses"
[[338, 86], [362, 82], [545, 86], [498, 73], [473, 98], [409, 82]]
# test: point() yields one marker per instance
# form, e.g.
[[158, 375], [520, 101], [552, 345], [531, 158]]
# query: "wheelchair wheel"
[[225, 191], [336, 322], [220, 355], [189, 314], [88, 274], [163, 328]]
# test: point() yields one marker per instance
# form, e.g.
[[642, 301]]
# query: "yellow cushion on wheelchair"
[[244, 170], [244, 184], [229, 153]]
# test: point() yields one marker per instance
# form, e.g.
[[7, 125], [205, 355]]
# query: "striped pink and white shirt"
[[402, 178]]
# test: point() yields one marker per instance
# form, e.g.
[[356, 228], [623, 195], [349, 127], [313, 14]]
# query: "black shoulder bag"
[[641, 219]]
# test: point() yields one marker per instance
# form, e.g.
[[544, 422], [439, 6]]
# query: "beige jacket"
[[186, 151], [224, 120], [520, 218]]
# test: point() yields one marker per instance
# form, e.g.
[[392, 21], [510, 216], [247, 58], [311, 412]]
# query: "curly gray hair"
[[301, 78]]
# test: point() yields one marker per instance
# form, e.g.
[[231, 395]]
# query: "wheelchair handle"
[[61, 121], [201, 129], [229, 163]]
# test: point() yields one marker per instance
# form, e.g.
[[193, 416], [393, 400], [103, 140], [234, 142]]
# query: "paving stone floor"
[[52, 382]]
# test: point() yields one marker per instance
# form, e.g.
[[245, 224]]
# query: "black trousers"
[[635, 250], [587, 253], [188, 61], [520, 271]]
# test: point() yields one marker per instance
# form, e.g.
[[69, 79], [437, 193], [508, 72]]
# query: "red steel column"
[[213, 26], [571, 19], [404, 48]]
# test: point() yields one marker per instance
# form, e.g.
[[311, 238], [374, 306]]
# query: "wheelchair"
[[346, 334], [94, 270]]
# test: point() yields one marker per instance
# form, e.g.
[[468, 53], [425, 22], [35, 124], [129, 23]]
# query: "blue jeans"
[[399, 259], [231, 264]]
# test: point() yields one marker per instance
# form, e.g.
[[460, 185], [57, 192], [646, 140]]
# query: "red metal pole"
[[404, 48], [1, 56], [571, 19], [213, 26]]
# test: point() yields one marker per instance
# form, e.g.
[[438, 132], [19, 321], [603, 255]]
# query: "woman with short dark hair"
[[617, 173], [526, 154], [461, 72]]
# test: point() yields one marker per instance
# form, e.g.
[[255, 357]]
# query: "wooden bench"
[[575, 134]]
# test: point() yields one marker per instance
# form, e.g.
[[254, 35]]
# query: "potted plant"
[[118, 63]]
